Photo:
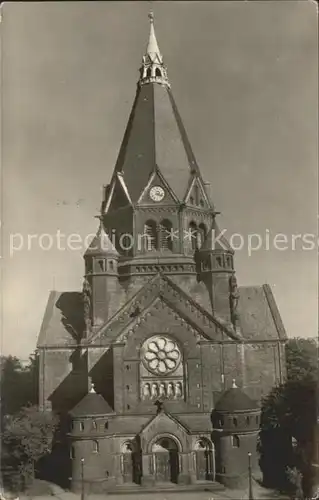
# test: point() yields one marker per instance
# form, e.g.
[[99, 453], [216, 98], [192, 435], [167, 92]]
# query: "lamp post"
[[82, 478], [250, 484]]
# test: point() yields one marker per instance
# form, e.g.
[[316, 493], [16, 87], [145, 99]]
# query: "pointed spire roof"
[[152, 48], [153, 69], [155, 138], [101, 244]]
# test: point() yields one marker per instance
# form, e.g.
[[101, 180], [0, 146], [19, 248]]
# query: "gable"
[[163, 423], [196, 195], [161, 290], [157, 180], [119, 196], [157, 295]]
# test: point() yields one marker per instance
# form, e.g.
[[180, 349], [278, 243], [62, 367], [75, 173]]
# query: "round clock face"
[[157, 193]]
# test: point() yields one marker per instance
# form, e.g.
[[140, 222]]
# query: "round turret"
[[236, 420], [88, 439]]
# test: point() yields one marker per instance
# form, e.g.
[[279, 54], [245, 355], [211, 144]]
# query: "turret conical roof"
[[235, 399], [101, 244]]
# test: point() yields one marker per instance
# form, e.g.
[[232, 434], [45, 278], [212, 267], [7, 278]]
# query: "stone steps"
[[167, 488]]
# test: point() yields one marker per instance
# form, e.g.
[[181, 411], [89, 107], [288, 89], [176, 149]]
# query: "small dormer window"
[[191, 200], [219, 261], [158, 72], [149, 73]]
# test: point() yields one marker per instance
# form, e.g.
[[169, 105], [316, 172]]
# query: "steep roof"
[[235, 399], [155, 136], [259, 316], [101, 244], [91, 405]]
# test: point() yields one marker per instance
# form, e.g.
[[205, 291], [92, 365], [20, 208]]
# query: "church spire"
[[152, 48], [153, 69]]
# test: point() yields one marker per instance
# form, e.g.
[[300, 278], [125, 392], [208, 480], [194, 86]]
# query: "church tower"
[[157, 204]]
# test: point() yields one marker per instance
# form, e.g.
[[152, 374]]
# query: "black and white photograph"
[[159, 250]]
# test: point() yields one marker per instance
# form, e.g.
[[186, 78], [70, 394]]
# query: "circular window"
[[161, 355]]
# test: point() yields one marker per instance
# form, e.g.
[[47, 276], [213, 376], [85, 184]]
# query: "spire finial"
[[153, 69], [234, 386]]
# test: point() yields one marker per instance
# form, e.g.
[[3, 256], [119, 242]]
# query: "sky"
[[245, 79]]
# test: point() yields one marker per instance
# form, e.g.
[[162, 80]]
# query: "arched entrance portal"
[[166, 460], [204, 460]]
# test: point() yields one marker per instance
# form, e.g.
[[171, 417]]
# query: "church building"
[[159, 364]]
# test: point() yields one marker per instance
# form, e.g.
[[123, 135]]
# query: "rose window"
[[161, 355]]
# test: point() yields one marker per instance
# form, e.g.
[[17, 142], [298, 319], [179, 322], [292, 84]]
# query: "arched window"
[[247, 420], [95, 446], [191, 200], [235, 441], [72, 452], [150, 235], [158, 72], [149, 73], [235, 422], [192, 228], [166, 240], [201, 235], [94, 426], [106, 425], [101, 263], [81, 426]]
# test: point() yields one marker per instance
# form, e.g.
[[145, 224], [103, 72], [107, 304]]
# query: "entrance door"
[[203, 465], [131, 464], [204, 461], [166, 461]]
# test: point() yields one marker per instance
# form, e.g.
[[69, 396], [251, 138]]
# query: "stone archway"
[[166, 460], [204, 460]]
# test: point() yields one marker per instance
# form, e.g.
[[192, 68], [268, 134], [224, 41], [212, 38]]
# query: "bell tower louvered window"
[[166, 241], [193, 235], [201, 235], [150, 236]]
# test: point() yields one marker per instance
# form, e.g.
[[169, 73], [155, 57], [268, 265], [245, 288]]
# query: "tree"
[[27, 437], [289, 412], [24, 379], [302, 359]]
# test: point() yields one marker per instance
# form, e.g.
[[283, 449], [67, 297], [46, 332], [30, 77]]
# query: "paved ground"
[[259, 494]]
